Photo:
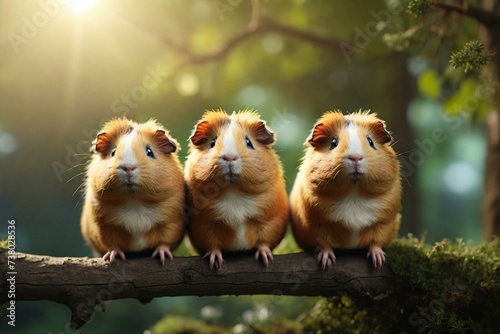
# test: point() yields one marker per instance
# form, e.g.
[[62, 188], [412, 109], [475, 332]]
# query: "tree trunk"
[[405, 143], [491, 201]]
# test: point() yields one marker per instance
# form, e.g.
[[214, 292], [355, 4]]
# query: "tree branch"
[[265, 25], [83, 283], [270, 25], [487, 18], [258, 26]]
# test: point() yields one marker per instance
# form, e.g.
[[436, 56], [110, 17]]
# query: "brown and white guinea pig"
[[135, 192], [236, 187], [347, 193]]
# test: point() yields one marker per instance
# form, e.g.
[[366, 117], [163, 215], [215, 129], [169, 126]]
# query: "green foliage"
[[449, 288], [429, 84], [278, 325], [185, 325], [471, 97], [400, 40], [287, 245], [470, 57], [417, 7], [4, 245], [339, 315]]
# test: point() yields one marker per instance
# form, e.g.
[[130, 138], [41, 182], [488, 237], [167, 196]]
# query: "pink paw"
[[377, 255], [215, 259], [163, 251], [112, 253], [265, 253], [326, 258]]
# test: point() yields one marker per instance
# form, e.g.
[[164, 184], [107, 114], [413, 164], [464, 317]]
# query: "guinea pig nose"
[[128, 168], [355, 157], [229, 157]]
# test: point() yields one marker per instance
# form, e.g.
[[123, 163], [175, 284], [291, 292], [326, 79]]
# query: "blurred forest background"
[[68, 66]]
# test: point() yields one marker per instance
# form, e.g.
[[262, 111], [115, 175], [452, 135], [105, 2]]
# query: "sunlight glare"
[[80, 6]]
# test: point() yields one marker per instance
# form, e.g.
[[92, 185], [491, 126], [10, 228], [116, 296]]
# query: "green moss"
[[457, 284], [339, 315], [4, 245], [184, 325], [277, 325], [447, 288]]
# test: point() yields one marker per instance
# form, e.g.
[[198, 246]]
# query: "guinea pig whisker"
[[79, 200], [212, 173], [77, 165], [82, 185], [79, 174], [403, 153], [333, 177], [407, 180], [106, 185], [335, 173], [395, 142]]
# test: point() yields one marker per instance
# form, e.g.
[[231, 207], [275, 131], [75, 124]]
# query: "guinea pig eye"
[[149, 152], [249, 143], [113, 152], [335, 143], [212, 144], [370, 141]]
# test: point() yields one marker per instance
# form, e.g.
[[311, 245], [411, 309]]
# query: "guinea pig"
[[347, 193], [135, 191], [236, 186]]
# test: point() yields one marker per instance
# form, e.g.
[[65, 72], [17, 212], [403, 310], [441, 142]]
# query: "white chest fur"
[[234, 208], [356, 212], [137, 219]]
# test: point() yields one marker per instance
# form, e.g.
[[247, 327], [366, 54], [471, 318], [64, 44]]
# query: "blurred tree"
[[442, 26]]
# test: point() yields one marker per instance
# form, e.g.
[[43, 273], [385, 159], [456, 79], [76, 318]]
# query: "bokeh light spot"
[[188, 84], [8, 143], [460, 177], [272, 43], [253, 96]]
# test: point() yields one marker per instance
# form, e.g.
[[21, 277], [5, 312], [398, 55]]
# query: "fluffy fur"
[[347, 194], [236, 187], [134, 194]]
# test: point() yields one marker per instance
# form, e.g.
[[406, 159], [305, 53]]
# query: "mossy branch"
[[451, 287], [83, 283], [447, 288]]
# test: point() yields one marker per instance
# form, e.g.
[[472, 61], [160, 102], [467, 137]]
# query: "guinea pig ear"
[[318, 136], [166, 144], [201, 133], [264, 135], [381, 132], [102, 143]]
